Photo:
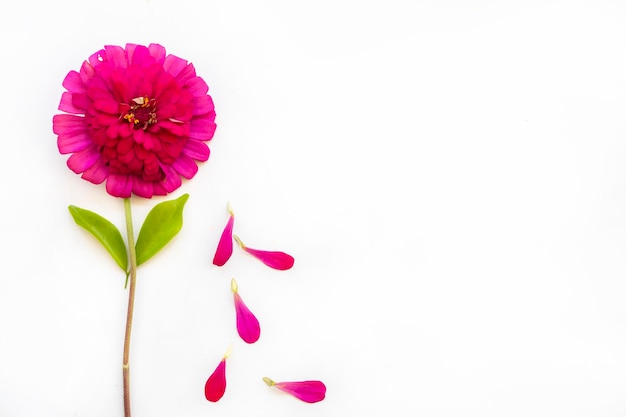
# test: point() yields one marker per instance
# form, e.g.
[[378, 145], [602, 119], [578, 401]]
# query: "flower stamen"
[[141, 113]]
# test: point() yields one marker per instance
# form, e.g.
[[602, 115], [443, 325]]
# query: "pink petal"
[[83, 160], [307, 391], [138, 54], [142, 188], [177, 129], [273, 259], [197, 87], [172, 180], [97, 173], [97, 58], [158, 52], [247, 324], [185, 166], [203, 105], [116, 55], [66, 123], [107, 105], [80, 101], [216, 384], [74, 142], [186, 74], [202, 129], [196, 150], [86, 72], [174, 65], [119, 185], [73, 83], [159, 189], [68, 106], [225, 246]]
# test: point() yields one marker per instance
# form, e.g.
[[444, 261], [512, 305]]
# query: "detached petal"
[[225, 245], [273, 259], [307, 391], [216, 384], [247, 324]]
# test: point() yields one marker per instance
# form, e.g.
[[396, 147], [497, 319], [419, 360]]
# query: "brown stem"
[[131, 303]]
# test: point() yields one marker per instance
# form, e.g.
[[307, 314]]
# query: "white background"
[[449, 176]]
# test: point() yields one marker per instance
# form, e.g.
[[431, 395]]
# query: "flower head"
[[216, 384], [247, 324], [225, 246], [307, 391], [273, 259], [136, 118]]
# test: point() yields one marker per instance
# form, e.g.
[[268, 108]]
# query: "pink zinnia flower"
[[307, 391], [135, 118], [216, 384], [247, 324], [225, 246], [273, 259]]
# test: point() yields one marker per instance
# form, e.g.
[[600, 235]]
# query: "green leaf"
[[104, 231], [162, 223]]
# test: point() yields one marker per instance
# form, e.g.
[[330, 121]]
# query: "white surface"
[[449, 176]]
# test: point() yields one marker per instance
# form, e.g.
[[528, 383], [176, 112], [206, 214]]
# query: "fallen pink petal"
[[307, 391], [247, 324], [136, 118], [273, 259], [225, 246], [216, 384]]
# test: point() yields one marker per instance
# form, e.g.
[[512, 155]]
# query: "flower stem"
[[131, 303]]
